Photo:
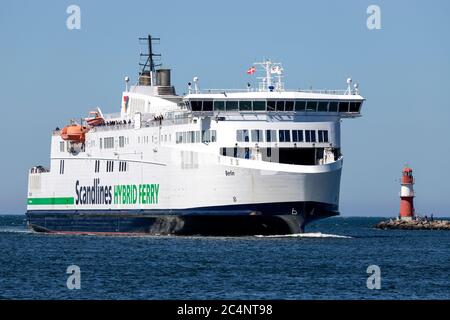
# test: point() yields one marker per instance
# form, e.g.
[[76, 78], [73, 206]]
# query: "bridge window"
[[333, 107], [289, 106], [271, 136], [300, 105], [242, 136], [61, 146], [355, 106], [232, 105], [259, 105], [343, 106], [219, 105], [284, 135], [310, 135], [297, 135], [271, 105], [323, 106], [207, 105], [245, 106], [323, 135], [257, 136], [280, 106], [196, 105], [311, 106]]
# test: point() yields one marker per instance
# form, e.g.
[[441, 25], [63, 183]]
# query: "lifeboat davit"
[[74, 133], [96, 120]]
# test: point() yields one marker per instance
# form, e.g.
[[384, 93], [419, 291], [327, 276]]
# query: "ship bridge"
[[203, 104], [270, 97]]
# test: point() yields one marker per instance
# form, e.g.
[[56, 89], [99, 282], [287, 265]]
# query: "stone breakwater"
[[414, 224]]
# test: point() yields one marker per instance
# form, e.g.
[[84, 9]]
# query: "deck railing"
[[318, 91]]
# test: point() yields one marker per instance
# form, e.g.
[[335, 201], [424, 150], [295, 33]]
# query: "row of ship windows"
[[110, 142], [163, 137], [276, 105], [283, 136], [123, 166], [105, 143], [205, 136]]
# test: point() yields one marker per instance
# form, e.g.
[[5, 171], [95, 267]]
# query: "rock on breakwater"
[[417, 224]]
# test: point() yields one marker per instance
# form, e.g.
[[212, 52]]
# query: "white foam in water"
[[307, 235], [14, 230]]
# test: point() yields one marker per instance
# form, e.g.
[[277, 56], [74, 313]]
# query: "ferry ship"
[[259, 160]]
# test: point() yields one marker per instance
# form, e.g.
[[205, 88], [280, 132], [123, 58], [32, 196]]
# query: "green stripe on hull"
[[51, 201]]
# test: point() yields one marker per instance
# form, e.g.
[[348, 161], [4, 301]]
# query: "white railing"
[[323, 91], [111, 127], [215, 91], [317, 91], [108, 116]]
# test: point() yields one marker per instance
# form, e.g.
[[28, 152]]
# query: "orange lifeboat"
[[96, 120], [74, 133]]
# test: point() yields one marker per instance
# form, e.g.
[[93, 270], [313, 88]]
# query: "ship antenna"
[[147, 74], [271, 68]]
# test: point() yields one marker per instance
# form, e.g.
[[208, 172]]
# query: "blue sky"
[[50, 74]]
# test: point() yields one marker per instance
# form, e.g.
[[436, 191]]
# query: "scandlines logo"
[[94, 194], [119, 194]]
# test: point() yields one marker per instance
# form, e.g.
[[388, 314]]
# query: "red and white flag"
[[251, 70]]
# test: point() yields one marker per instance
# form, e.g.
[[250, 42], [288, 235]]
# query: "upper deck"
[[153, 102]]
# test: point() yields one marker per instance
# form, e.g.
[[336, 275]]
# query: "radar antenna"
[[147, 74]]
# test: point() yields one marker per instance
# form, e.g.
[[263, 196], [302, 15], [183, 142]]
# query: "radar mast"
[[147, 75]]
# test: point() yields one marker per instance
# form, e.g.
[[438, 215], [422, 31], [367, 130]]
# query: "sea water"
[[330, 261]]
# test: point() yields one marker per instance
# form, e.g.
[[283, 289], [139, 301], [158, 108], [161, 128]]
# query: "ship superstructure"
[[261, 160]]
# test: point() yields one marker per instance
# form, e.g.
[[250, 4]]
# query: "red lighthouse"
[[407, 195]]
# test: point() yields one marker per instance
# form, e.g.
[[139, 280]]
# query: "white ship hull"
[[188, 193]]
